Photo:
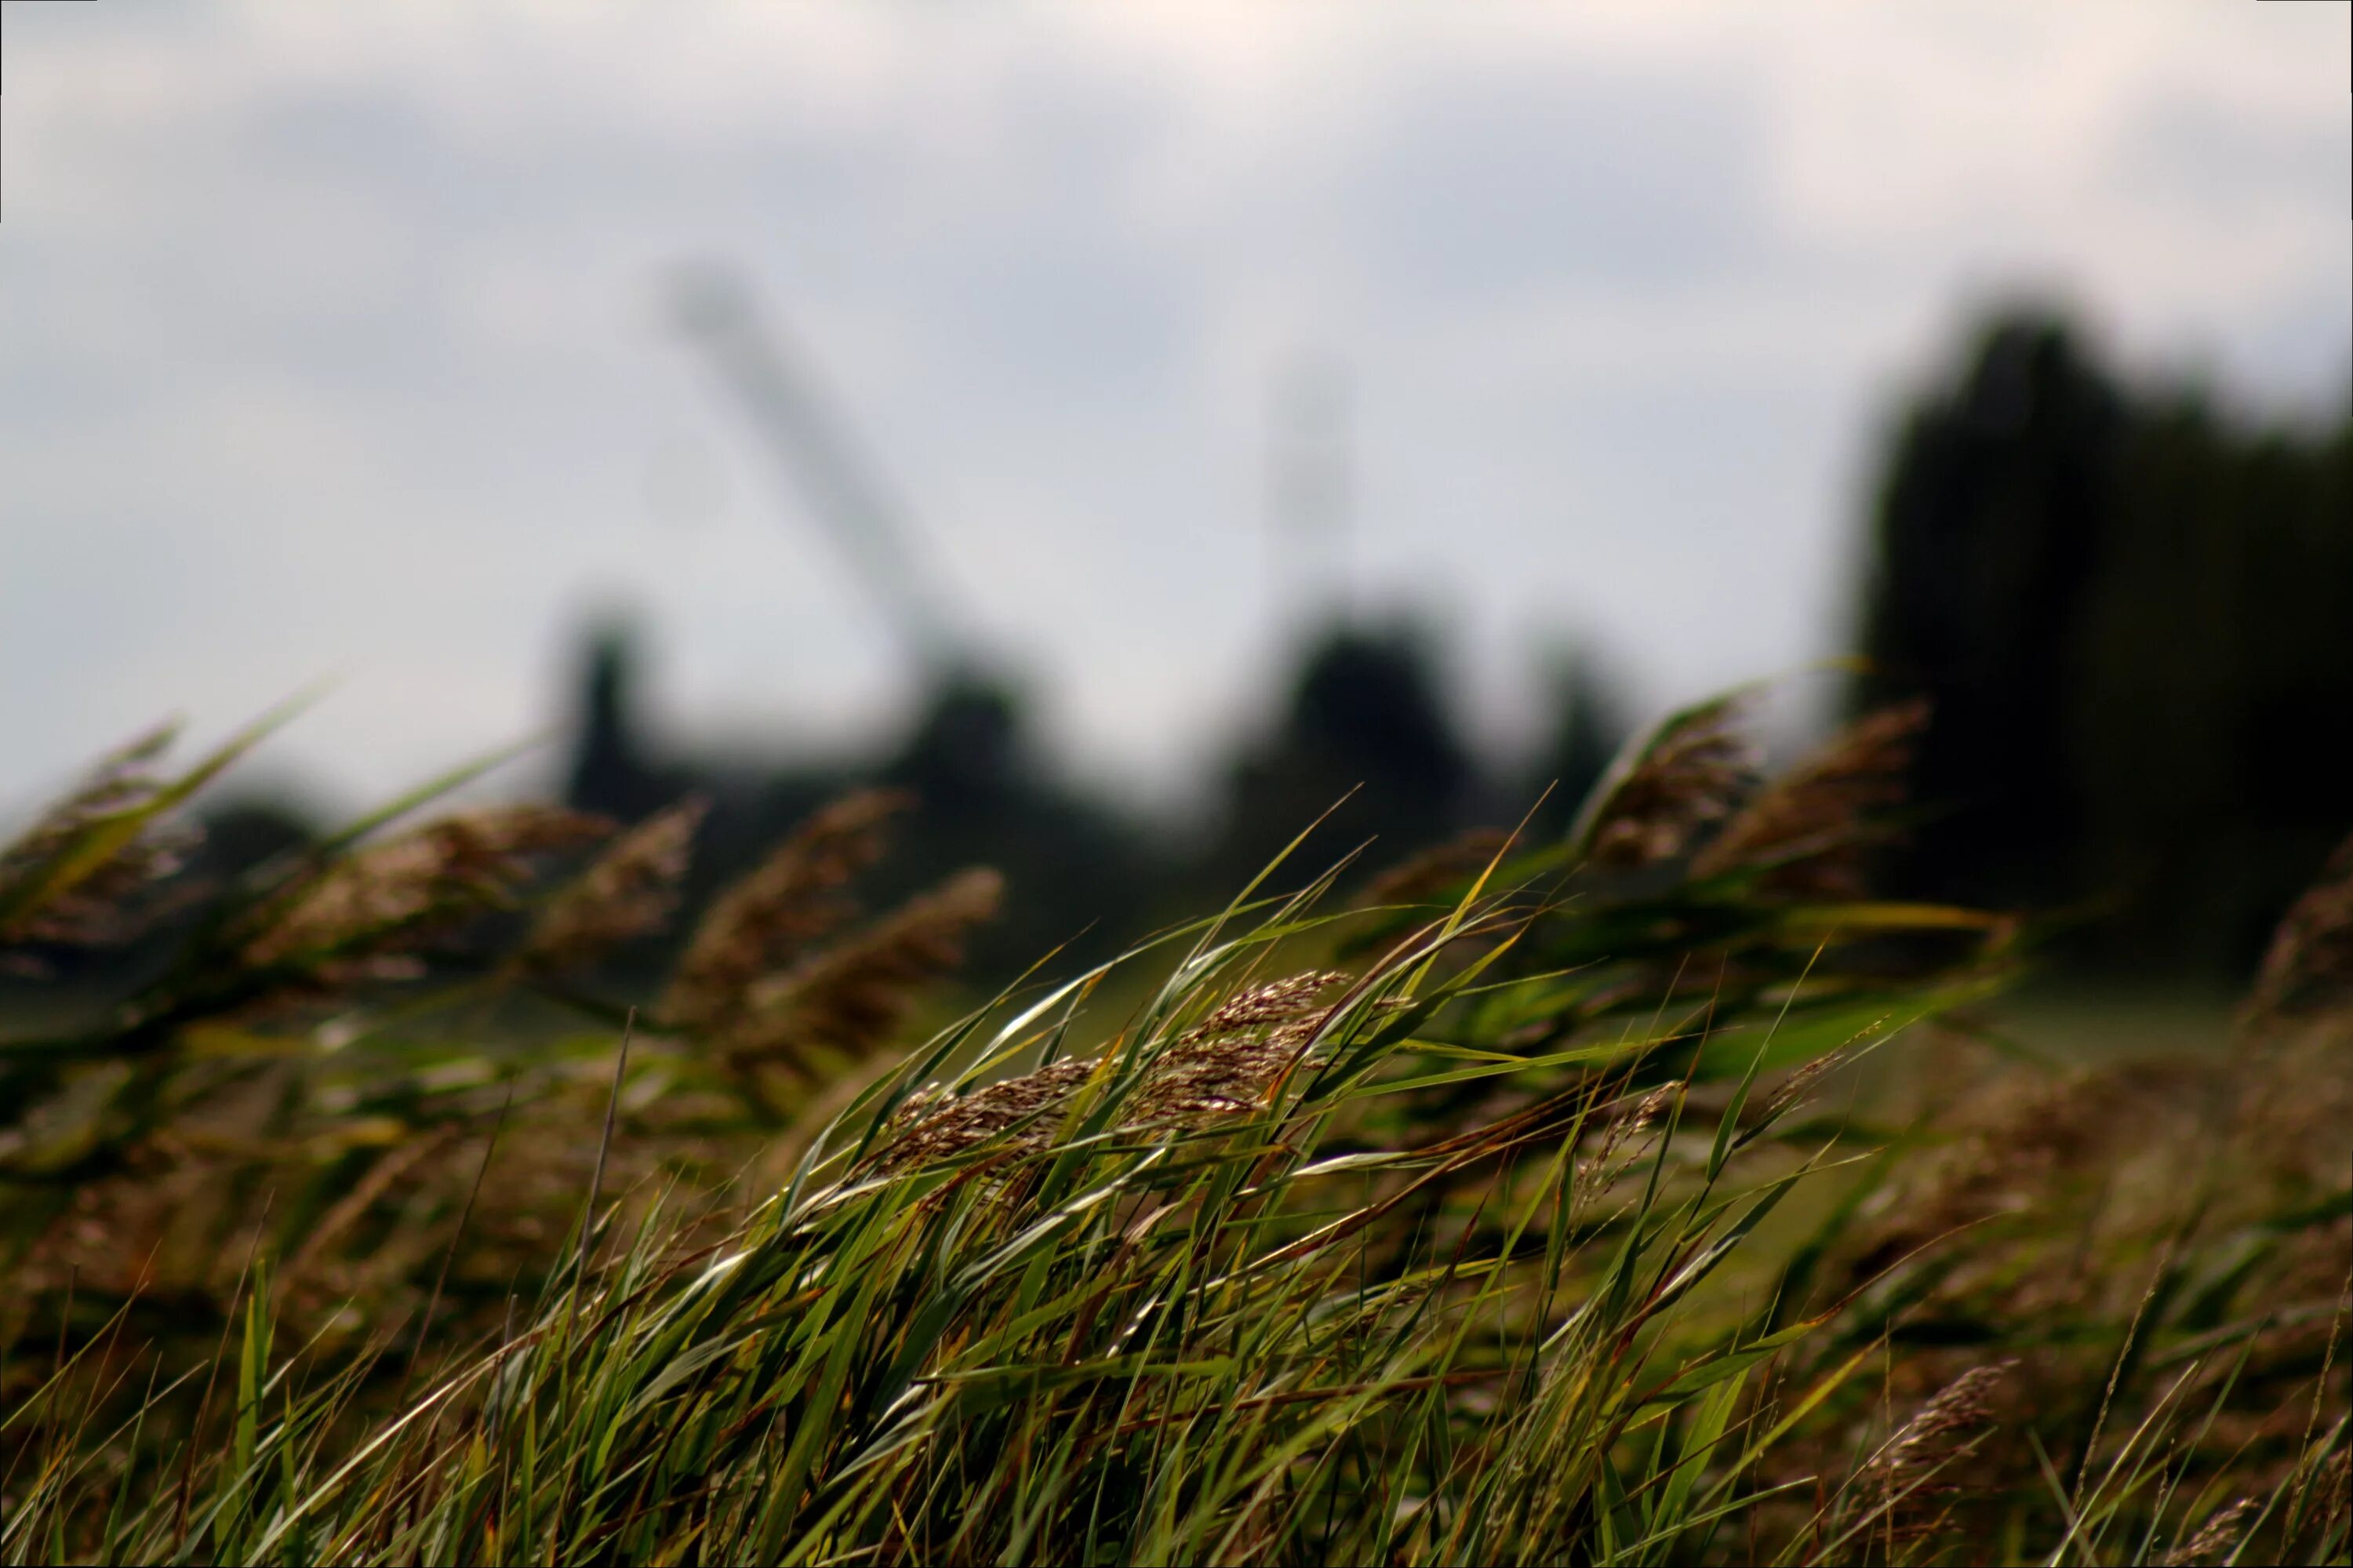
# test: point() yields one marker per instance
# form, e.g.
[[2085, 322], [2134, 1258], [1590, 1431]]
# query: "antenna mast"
[[1310, 479]]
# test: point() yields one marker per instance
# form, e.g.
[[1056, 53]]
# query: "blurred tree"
[[1365, 713], [1589, 726], [2135, 619], [1075, 871]]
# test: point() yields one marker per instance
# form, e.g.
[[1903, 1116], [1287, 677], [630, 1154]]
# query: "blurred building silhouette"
[[2135, 617], [1076, 871], [612, 772], [1367, 717]]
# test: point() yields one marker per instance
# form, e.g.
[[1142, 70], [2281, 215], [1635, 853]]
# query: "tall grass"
[[1522, 1209]]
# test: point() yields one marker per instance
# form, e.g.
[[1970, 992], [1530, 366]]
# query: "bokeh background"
[[1177, 415]]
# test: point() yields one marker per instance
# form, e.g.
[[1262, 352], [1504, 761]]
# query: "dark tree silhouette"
[[1589, 726], [1366, 713], [2135, 619]]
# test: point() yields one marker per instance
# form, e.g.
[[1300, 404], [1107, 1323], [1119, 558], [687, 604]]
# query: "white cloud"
[[330, 340]]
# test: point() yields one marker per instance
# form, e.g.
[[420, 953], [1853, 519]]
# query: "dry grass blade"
[[854, 995], [1805, 831], [628, 893], [360, 915], [2309, 966], [792, 898], [1669, 788]]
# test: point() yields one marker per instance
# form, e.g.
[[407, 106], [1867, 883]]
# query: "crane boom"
[[819, 459]]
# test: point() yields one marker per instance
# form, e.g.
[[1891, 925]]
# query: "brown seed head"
[[96, 907], [1793, 1087], [2308, 967], [1686, 777], [1279, 1001], [1232, 1059], [628, 893], [852, 996], [363, 915], [1960, 1407], [936, 1130], [1626, 1126], [796, 895], [1435, 869], [2218, 1535], [1224, 1065], [1804, 832]]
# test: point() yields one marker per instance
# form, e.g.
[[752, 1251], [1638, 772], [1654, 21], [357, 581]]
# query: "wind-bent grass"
[[1120, 1325], [1111, 1322], [1519, 1240]]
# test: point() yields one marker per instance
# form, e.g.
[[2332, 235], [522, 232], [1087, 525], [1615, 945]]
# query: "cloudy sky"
[[331, 340]]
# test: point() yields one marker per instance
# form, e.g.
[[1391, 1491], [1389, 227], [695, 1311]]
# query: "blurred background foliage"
[[2130, 611], [2134, 616]]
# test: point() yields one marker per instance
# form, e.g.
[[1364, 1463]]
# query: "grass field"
[[1653, 1195]]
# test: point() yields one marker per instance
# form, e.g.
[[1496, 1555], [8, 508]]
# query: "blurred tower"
[[970, 739], [1310, 497], [1368, 715], [611, 772], [971, 756]]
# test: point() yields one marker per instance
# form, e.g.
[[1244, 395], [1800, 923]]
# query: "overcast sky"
[[331, 343]]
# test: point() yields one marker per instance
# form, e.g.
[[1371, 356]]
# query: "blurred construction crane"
[[835, 481]]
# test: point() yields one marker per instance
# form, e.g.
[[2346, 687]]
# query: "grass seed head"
[[369, 913], [1962, 1406], [2308, 966], [1232, 1059], [1434, 870], [1686, 779], [1901, 1476], [1625, 1132], [1804, 833], [852, 996], [1289, 1000], [100, 907], [1223, 1064], [796, 895], [628, 893], [935, 1128], [1793, 1087], [2218, 1535]]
